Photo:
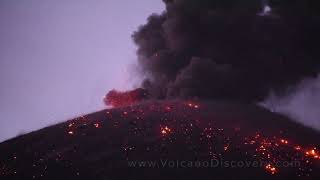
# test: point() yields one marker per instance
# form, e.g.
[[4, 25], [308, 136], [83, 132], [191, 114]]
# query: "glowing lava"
[[118, 99], [283, 141], [165, 130], [313, 153], [192, 105], [271, 169]]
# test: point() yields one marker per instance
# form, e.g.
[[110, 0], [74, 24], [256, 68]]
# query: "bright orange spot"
[[283, 141], [193, 105], [271, 169], [313, 153], [165, 130]]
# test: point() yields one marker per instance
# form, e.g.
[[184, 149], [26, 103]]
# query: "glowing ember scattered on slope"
[[168, 108], [180, 122], [71, 124], [266, 149], [271, 169], [192, 105], [283, 153], [165, 130], [313, 153], [97, 125], [283, 141]]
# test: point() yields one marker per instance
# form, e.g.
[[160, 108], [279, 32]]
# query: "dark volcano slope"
[[167, 140]]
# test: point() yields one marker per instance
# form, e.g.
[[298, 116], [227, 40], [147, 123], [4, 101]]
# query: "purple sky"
[[59, 57]]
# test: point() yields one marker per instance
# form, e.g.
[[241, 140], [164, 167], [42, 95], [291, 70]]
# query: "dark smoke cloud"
[[228, 49]]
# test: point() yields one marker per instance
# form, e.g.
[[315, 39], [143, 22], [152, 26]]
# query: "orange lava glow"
[[313, 153], [283, 141], [196, 106], [117, 98], [271, 169], [165, 130]]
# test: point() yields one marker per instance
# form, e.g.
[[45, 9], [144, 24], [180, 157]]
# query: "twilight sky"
[[59, 57]]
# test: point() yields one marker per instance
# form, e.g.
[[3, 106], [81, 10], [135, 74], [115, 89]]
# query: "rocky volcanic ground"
[[167, 140]]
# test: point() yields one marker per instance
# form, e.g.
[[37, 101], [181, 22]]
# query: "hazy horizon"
[[59, 58]]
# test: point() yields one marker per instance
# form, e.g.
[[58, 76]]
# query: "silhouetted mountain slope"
[[167, 140]]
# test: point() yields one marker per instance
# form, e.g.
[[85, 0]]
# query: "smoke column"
[[218, 49]]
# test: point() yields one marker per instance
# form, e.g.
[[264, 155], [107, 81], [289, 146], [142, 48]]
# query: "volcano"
[[167, 140]]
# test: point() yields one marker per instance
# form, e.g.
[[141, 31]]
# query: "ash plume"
[[225, 49]]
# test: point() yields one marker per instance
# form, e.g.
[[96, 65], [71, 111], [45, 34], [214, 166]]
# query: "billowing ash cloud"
[[228, 49]]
